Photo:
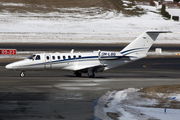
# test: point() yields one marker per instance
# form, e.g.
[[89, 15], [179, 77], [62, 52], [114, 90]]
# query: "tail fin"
[[141, 44]]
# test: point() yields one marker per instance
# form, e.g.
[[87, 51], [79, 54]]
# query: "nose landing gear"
[[22, 74]]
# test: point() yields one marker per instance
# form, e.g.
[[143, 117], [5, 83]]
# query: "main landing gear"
[[78, 74], [22, 74], [90, 74]]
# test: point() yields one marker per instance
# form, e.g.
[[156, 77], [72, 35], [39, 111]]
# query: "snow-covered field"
[[174, 12], [80, 27], [129, 105]]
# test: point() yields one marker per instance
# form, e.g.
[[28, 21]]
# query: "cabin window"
[[74, 57], [59, 57], [47, 57], [69, 57], [38, 57], [79, 56], [64, 57], [53, 57]]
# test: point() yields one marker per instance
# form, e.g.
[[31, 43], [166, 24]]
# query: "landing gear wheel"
[[78, 74], [91, 75], [22, 74]]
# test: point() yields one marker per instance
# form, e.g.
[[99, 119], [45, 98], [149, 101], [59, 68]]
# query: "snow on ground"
[[174, 12], [158, 113], [12, 4], [128, 105], [81, 27]]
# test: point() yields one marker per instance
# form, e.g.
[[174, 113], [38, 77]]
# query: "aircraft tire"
[[92, 75], [22, 74], [78, 74]]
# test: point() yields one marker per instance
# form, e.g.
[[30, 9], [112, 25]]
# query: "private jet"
[[89, 62]]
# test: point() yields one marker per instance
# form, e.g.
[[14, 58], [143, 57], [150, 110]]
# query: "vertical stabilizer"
[[142, 44]]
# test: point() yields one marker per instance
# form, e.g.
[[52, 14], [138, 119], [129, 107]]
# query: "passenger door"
[[48, 61]]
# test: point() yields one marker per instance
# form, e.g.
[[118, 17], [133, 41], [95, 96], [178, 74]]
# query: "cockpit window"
[[31, 57], [38, 57]]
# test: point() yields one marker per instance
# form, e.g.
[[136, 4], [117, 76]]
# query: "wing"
[[100, 68], [97, 68], [113, 57]]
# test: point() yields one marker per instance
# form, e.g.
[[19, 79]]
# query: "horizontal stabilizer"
[[150, 31]]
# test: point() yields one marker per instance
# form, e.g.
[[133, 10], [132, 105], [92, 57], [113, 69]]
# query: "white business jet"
[[90, 62]]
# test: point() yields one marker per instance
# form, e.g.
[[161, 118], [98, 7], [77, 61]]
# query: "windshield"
[[31, 57]]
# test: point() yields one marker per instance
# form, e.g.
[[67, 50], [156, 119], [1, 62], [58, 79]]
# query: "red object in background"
[[8, 51]]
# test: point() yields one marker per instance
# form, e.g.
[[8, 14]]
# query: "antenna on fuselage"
[[72, 51]]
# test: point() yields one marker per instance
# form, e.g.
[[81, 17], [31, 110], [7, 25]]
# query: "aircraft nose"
[[15, 65], [9, 66]]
